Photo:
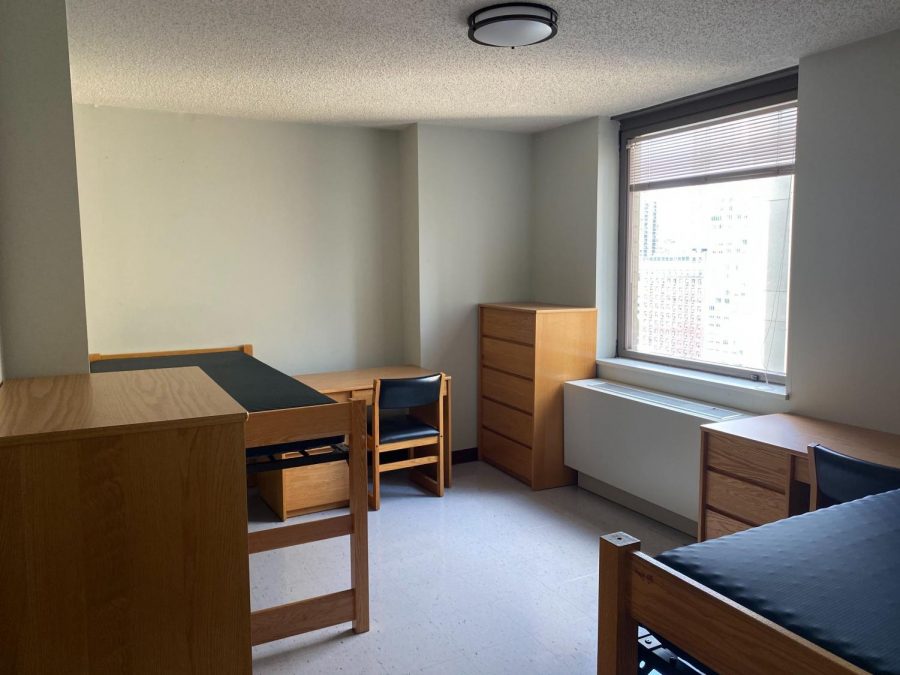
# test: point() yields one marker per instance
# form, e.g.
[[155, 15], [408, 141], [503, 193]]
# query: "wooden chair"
[[407, 415], [837, 478]]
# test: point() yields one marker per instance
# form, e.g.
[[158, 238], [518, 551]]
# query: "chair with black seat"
[[836, 478], [407, 415]]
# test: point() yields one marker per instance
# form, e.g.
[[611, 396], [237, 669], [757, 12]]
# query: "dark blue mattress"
[[249, 381], [831, 576]]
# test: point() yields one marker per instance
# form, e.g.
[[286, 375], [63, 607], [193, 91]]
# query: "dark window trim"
[[780, 86], [758, 92]]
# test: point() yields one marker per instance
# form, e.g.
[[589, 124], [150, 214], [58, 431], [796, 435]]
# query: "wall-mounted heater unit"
[[638, 442]]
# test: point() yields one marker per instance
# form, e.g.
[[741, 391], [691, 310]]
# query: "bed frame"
[[718, 632], [273, 427]]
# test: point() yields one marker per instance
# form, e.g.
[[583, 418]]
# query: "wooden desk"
[[316, 488], [755, 470], [123, 522]]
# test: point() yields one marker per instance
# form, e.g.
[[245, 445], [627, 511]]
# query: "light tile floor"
[[493, 578]]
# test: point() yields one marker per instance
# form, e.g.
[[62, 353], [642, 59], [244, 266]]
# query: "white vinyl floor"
[[493, 578]]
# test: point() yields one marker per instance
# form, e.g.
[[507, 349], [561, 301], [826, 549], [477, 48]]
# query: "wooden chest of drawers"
[[527, 351]]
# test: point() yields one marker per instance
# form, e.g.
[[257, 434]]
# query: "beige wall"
[[326, 247], [565, 213], [203, 231], [474, 246], [409, 205], [575, 179], [844, 323], [41, 282]]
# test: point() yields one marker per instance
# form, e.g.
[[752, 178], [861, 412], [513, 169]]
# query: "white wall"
[[409, 217], [565, 190], [474, 246], [844, 321], [325, 247], [575, 179], [41, 282], [204, 231]]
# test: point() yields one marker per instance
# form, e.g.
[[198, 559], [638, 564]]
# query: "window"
[[707, 237]]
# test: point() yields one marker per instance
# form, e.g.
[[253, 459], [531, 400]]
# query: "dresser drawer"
[[509, 389], [744, 500], [718, 525], [506, 421], [507, 356], [748, 461], [508, 325], [506, 454]]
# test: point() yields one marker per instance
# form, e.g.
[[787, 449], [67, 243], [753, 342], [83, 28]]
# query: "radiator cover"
[[642, 442]]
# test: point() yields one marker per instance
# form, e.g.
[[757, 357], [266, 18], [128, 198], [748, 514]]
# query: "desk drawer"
[[718, 525], [506, 421], [507, 356], [747, 461], [746, 501], [508, 325], [506, 454], [514, 391]]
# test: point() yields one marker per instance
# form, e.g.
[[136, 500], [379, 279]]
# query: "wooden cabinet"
[[123, 521], [527, 351], [755, 470]]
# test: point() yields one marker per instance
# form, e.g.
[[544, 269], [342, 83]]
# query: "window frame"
[[767, 90]]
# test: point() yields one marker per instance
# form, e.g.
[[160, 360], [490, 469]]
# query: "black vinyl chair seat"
[[840, 478], [396, 427]]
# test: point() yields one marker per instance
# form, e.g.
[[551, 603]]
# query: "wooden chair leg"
[[423, 478], [359, 515], [441, 469], [375, 496]]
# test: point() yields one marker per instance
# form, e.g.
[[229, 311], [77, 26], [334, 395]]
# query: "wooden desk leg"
[[359, 515], [448, 438]]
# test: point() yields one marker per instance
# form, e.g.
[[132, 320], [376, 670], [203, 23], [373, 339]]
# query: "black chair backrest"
[[840, 478], [409, 392]]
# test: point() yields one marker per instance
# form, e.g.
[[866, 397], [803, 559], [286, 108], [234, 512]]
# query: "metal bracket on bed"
[[267, 457]]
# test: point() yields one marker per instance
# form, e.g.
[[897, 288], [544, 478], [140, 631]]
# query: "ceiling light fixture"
[[512, 24]]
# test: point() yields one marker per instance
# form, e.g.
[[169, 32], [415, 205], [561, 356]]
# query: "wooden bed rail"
[[247, 349], [718, 632]]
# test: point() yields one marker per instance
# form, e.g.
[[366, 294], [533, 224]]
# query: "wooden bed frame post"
[[359, 513], [617, 642]]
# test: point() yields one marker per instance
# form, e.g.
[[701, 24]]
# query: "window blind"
[[750, 145]]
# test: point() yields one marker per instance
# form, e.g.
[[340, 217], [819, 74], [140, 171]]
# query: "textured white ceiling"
[[394, 62]]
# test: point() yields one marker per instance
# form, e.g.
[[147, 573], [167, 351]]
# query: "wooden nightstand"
[[755, 470]]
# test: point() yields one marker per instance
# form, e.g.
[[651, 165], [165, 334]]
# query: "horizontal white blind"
[[760, 143]]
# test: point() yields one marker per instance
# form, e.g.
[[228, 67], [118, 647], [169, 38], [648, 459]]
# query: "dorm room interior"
[[450, 337]]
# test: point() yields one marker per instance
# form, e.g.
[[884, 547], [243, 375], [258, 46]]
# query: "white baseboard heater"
[[638, 442]]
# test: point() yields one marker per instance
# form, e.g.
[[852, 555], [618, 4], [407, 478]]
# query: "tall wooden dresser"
[[123, 525], [527, 351]]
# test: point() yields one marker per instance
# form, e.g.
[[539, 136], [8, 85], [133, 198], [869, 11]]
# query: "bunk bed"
[[815, 593], [289, 424]]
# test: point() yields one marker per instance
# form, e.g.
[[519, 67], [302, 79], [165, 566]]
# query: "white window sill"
[[721, 389]]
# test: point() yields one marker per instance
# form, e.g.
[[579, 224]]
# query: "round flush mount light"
[[512, 24]]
